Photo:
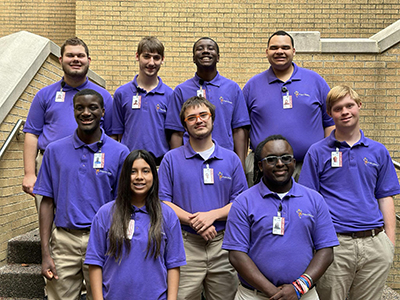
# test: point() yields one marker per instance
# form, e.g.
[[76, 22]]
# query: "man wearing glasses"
[[274, 228], [199, 180]]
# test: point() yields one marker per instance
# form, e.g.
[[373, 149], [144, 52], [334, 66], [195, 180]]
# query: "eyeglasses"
[[202, 116], [273, 160]]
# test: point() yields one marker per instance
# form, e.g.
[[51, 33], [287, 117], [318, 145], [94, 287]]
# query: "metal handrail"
[[14, 132]]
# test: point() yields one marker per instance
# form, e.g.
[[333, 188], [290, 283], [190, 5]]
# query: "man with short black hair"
[[78, 175], [287, 100], [232, 121], [274, 228], [199, 180]]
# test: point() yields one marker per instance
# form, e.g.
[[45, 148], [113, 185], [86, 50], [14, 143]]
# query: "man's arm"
[[30, 153], [328, 130], [240, 142], [317, 267], [46, 215], [176, 139], [386, 206], [173, 283], [200, 221], [96, 281], [250, 273]]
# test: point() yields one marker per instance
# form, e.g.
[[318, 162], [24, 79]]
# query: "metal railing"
[[14, 132]]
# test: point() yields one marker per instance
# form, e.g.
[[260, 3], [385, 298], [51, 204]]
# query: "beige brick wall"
[[17, 210], [113, 29], [53, 19]]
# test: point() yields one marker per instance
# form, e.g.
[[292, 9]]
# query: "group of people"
[[153, 195]]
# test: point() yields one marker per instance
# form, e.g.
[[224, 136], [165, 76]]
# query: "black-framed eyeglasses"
[[273, 160]]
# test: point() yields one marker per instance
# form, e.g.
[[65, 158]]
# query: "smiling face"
[[88, 112], [75, 62], [149, 63], [205, 53], [280, 52], [346, 113], [200, 128], [278, 178], [141, 181]]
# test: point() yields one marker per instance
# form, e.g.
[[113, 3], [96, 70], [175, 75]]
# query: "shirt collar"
[[265, 191], [77, 142], [142, 209], [216, 81], [159, 89], [333, 142], [272, 78], [67, 87], [190, 153]]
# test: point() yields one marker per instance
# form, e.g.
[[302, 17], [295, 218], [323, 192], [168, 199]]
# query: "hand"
[[28, 183], [200, 221], [286, 292], [209, 233], [49, 268]]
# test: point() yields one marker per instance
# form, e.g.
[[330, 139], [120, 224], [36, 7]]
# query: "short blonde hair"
[[339, 92]]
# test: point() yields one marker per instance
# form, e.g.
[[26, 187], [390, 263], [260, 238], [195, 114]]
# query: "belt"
[[252, 289], [41, 151], [364, 233], [87, 229]]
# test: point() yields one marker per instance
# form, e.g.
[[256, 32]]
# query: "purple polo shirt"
[[225, 94], [302, 125], [181, 180], [136, 277], [142, 128], [281, 259], [51, 120], [351, 191], [67, 175]]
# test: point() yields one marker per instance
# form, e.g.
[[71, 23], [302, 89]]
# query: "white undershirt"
[[207, 153]]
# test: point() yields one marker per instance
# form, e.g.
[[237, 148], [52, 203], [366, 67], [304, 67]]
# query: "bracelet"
[[302, 285]]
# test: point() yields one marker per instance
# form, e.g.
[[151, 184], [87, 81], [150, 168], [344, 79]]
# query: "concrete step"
[[21, 281], [25, 249]]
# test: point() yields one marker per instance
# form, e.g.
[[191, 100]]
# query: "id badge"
[[131, 229], [60, 96], [98, 160], [278, 225], [287, 101], [136, 102], [336, 159], [208, 175], [201, 93]]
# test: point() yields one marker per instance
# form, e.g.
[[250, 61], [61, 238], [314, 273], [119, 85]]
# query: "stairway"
[[20, 278]]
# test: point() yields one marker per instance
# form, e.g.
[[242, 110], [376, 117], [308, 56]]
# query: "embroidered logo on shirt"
[[158, 107], [367, 162], [223, 100], [221, 176], [103, 171], [301, 214], [297, 94]]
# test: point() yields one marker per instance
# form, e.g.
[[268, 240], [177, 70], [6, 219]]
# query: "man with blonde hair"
[[357, 179]]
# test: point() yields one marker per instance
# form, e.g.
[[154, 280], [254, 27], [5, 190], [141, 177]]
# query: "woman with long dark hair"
[[135, 246]]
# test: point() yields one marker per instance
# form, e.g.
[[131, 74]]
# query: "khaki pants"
[[246, 294], [38, 198], [360, 268], [68, 248], [207, 269]]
